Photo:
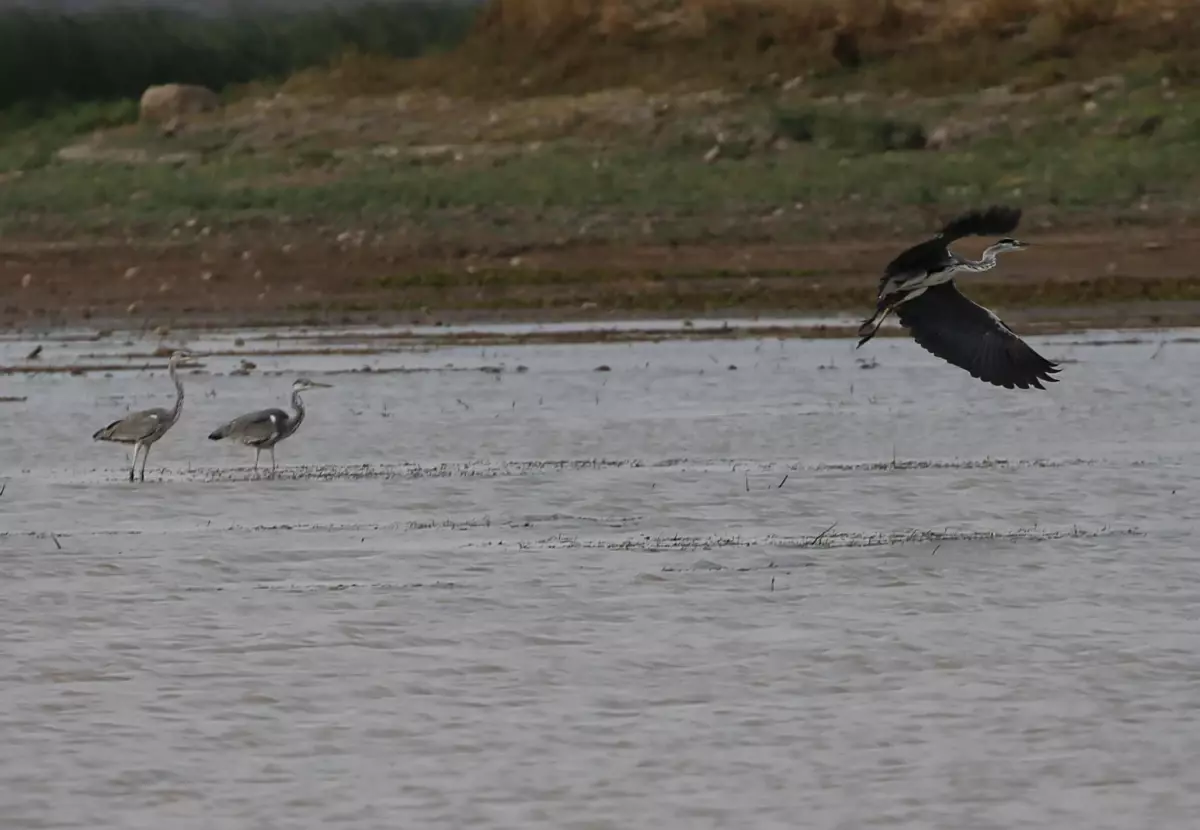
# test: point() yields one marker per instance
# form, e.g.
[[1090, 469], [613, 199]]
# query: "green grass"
[[833, 128], [31, 133], [46, 56], [1095, 162]]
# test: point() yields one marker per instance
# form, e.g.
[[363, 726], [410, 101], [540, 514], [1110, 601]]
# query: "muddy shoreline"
[[1137, 278]]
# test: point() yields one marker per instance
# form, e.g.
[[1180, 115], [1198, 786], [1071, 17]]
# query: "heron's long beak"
[[316, 385]]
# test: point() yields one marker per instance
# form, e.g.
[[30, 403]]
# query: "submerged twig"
[[823, 533]]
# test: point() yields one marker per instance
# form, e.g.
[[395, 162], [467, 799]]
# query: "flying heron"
[[267, 427], [919, 286], [144, 428]]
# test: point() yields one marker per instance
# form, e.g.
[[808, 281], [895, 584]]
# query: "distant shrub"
[[853, 132], [118, 52]]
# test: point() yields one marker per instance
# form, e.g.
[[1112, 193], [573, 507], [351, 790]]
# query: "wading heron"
[[918, 286], [267, 427], [144, 428]]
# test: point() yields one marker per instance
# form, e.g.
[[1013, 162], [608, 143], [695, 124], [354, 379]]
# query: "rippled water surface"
[[725, 583]]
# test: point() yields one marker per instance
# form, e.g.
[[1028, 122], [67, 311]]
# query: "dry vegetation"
[[556, 46]]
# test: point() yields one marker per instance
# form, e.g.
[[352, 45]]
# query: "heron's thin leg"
[[145, 455], [257, 453], [272, 459], [133, 465], [887, 311]]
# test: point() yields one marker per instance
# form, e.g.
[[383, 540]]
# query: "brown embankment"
[[1141, 277], [563, 46]]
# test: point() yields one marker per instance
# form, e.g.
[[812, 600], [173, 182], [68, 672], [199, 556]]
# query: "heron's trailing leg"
[[145, 455], [870, 326], [133, 465], [257, 453], [272, 460]]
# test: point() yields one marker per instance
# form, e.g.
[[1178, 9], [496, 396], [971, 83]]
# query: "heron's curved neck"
[[985, 263], [178, 387], [298, 405]]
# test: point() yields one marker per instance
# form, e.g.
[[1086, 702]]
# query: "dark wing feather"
[[931, 255], [253, 428], [997, 220], [967, 335], [927, 257], [134, 427]]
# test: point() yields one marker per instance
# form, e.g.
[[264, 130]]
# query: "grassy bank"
[[786, 167], [47, 58]]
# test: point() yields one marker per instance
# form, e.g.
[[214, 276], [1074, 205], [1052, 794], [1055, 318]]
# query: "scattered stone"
[[168, 103]]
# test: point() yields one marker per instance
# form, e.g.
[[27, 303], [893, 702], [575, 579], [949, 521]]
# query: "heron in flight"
[[267, 427], [919, 286], [144, 428]]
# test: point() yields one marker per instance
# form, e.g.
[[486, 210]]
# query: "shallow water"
[[794, 593]]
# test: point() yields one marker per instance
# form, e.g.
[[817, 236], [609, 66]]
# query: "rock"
[[1099, 86], [168, 103], [957, 133], [940, 138], [91, 151]]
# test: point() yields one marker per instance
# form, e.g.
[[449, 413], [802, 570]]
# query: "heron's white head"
[[302, 384], [1007, 244], [180, 356]]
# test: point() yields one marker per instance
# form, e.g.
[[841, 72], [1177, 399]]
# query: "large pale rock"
[[163, 104]]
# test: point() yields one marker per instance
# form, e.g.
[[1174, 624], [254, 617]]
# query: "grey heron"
[[919, 286], [267, 427], [144, 428]]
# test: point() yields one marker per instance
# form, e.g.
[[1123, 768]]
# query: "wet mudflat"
[[729, 583]]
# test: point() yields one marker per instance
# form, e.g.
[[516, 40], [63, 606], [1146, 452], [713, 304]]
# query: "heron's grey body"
[[267, 427], [932, 263], [144, 428]]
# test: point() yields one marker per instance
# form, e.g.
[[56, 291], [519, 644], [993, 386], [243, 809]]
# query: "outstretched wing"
[[967, 335], [931, 255], [134, 427], [254, 427], [997, 220]]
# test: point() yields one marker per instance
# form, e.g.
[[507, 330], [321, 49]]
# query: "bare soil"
[[1142, 276]]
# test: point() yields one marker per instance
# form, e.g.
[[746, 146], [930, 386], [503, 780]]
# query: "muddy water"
[[498, 588]]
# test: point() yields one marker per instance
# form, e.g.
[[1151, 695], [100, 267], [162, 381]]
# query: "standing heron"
[[919, 286], [267, 427], [144, 428]]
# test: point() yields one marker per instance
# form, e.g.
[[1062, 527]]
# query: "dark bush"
[[49, 56]]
